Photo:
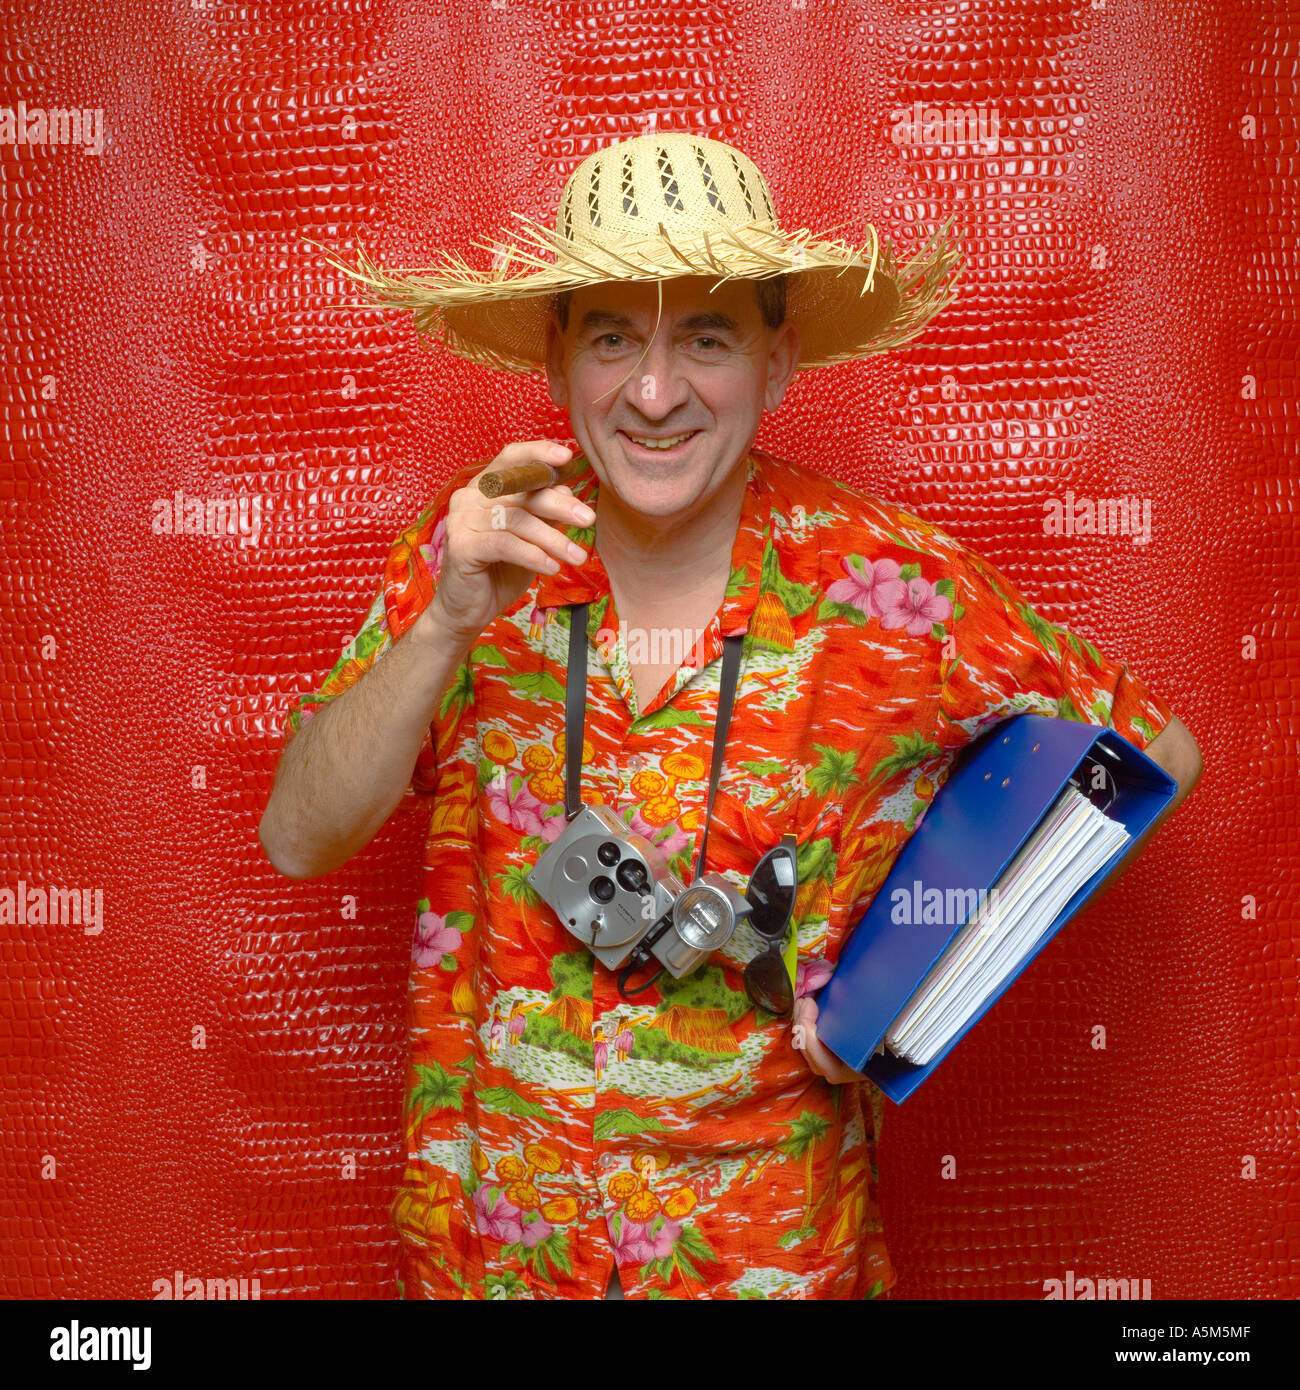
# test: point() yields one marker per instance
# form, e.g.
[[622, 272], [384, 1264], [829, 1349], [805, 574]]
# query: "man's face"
[[710, 370]]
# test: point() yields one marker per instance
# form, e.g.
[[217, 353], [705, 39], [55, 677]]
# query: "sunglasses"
[[771, 893]]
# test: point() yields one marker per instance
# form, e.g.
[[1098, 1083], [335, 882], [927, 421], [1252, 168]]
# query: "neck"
[[640, 552]]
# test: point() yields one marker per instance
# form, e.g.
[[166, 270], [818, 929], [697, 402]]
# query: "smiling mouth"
[[662, 444]]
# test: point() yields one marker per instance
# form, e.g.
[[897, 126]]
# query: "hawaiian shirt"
[[553, 1127]]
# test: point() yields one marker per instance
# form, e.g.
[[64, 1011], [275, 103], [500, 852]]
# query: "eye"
[[716, 342], [604, 337]]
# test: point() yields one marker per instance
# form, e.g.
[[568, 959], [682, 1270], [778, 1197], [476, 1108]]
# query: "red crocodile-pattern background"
[[211, 1083]]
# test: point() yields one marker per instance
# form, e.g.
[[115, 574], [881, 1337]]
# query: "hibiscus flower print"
[[535, 1231], [633, 1243], [873, 590], [497, 1218], [897, 596], [917, 609], [434, 939], [520, 809]]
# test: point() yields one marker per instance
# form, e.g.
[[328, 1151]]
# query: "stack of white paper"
[[1071, 844]]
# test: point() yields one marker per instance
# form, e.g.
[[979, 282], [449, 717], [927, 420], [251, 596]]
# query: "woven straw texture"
[[655, 207]]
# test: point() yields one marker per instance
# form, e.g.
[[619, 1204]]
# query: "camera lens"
[[631, 874], [703, 918], [608, 854], [602, 889]]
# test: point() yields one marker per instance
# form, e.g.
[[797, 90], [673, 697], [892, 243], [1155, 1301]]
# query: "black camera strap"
[[575, 719]]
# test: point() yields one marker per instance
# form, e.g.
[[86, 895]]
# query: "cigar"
[[528, 477]]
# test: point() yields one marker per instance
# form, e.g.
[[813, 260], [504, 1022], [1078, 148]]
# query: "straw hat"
[[653, 208]]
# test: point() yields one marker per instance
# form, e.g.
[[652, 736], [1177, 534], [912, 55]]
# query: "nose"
[[657, 386]]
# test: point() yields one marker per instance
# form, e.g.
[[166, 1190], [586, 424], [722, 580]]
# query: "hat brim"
[[843, 307]]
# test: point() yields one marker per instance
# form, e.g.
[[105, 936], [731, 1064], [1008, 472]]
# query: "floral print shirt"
[[555, 1129]]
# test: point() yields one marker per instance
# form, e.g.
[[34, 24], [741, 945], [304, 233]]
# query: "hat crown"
[[688, 183]]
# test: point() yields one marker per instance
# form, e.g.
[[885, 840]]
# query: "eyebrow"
[[603, 318]]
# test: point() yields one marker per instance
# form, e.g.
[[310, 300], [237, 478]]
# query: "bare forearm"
[[343, 773]]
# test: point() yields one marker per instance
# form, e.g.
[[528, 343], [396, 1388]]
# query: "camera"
[[613, 891]]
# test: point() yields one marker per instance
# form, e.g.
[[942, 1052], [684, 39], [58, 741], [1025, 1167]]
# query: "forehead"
[[689, 298]]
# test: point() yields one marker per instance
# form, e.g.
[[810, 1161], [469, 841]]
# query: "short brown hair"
[[770, 294]]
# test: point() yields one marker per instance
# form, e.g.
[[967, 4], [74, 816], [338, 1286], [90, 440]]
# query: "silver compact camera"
[[613, 891]]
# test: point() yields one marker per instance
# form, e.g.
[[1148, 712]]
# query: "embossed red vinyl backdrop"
[[1131, 251]]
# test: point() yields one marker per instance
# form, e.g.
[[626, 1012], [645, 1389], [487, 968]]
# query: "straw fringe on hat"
[[657, 207]]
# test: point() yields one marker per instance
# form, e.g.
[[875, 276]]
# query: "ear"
[[556, 379], [782, 363]]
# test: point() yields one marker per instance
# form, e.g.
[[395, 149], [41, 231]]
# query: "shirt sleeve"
[[406, 588], [1005, 659]]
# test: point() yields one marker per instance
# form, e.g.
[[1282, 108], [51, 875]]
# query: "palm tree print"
[[805, 1134]]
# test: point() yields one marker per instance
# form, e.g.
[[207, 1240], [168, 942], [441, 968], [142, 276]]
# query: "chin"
[[659, 496]]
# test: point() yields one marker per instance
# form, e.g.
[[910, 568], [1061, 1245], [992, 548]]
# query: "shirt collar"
[[589, 582]]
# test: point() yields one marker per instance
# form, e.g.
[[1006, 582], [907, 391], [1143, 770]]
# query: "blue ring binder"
[[1000, 788]]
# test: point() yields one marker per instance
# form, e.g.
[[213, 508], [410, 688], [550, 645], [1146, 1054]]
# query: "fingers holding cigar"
[[496, 545], [531, 474], [529, 481]]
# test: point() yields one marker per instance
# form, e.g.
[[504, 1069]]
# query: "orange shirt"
[[553, 1127]]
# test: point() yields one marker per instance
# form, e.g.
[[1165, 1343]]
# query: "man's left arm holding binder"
[[1007, 659]]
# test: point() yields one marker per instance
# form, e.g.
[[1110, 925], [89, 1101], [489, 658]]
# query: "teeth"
[[661, 443]]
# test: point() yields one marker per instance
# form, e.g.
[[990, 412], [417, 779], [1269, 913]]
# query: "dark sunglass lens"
[[768, 983], [772, 891]]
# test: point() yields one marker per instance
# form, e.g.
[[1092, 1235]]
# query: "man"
[[721, 1153]]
